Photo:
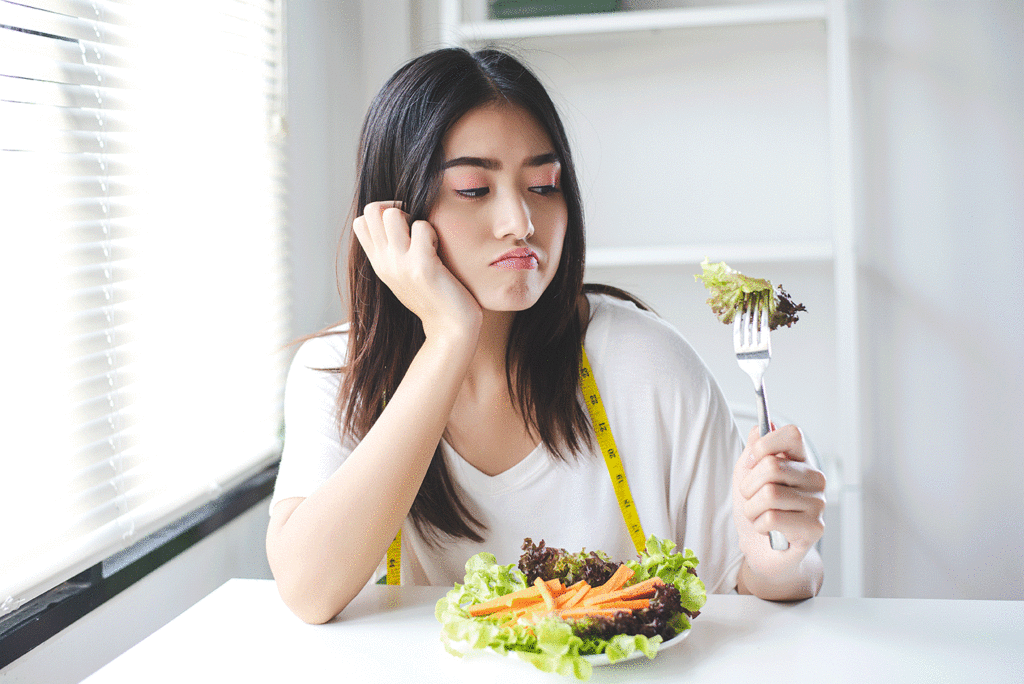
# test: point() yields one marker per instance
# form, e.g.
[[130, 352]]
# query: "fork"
[[751, 340]]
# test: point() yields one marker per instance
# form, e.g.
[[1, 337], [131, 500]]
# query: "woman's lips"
[[521, 259]]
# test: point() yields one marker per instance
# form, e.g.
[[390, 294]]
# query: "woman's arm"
[[775, 488], [324, 548]]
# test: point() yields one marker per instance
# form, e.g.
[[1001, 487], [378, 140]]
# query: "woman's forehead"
[[499, 132]]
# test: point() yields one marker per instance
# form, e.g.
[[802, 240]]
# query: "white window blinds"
[[144, 289]]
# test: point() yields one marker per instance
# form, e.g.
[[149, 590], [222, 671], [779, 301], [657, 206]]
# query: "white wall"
[[340, 52], [940, 105]]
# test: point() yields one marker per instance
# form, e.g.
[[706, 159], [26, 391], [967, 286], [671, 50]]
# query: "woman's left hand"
[[774, 487]]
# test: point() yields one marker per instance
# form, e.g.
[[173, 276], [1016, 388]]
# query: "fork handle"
[[776, 538], [763, 422]]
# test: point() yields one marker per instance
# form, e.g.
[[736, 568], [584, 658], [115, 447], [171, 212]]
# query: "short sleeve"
[[313, 448]]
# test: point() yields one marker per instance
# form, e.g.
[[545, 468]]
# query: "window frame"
[[43, 617]]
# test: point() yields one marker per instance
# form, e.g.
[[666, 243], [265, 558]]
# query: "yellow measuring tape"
[[606, 442], [394, 575]]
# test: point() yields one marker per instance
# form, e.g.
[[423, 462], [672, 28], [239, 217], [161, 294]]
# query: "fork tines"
[[751, 336]]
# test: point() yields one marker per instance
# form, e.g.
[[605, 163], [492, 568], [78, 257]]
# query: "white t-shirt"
[[675, 435]]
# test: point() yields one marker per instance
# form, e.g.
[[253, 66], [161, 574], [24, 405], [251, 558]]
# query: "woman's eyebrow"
[[481, 162], [495, 165], [542, 159]]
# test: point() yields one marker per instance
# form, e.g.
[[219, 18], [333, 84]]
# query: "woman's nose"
[[514, 218]]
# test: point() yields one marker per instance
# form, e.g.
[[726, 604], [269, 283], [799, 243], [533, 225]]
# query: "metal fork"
[[751, 340]]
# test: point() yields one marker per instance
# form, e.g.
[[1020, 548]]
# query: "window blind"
[[145, 298]]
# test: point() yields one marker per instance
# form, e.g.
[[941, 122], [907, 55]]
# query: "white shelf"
[[688, 255], [639, 20]]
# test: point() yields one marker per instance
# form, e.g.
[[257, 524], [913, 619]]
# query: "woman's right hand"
[[405, 258]]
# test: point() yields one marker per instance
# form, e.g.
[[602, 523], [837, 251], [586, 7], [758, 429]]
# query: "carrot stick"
[[566, 596], [629, 604], [545, 593], [614, 583], [578, 596], [621, 575], [589, 612], [515, 599], [643, 589]]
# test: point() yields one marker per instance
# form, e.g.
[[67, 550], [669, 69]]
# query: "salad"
[[732, 292], [554, 608]]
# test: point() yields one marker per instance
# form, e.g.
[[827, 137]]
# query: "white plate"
[[602, 659], [597, 660]]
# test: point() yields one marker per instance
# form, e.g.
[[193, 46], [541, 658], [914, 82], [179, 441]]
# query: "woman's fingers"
[[395, 233], [780, 497], [778, 489], [788, 440], [422, 236], [775, 469], [800, 529], [382, 224]]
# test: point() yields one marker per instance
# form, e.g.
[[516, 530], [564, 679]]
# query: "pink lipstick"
[[520, 259]]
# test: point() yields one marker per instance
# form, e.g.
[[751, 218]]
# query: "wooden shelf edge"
[[640, 20], [692, 255]]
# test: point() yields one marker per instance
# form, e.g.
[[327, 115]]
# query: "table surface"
[[242, 632]]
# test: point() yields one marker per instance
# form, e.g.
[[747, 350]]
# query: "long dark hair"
[[400, 158]]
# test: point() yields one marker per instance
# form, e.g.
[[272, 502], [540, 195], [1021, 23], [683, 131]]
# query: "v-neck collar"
[[516, 477]]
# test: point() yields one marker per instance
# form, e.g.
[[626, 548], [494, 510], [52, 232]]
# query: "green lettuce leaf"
[[661, 560], [733, 292]]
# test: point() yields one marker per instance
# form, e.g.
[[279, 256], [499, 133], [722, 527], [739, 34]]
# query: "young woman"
[[449, 405]]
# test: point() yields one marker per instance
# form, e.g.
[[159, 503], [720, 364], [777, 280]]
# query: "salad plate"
[[483, 614], [600, 659]]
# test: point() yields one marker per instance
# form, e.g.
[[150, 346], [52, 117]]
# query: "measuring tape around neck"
[[605, 441]]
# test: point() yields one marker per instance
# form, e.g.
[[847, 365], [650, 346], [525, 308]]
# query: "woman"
[[448, 406]]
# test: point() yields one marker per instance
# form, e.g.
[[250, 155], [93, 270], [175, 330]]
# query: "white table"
[[242, 632]]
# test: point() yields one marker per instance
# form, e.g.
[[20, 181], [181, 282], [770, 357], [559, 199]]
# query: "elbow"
[[309, 601]]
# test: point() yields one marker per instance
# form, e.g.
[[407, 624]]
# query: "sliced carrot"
[[609, 588], [589, 612], [630, 604], [581, 593], [566, 596], [618, 578], [643, 589], [640, 590], [621, 575], [515, 599], [545, 593]]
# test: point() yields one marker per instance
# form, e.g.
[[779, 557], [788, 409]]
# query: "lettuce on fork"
[[553, 644], [732, 292]]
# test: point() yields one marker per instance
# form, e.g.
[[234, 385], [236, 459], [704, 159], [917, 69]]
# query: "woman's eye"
[[474, 192], [544, 189]]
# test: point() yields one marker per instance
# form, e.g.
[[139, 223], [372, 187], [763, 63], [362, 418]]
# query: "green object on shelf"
[[513, 9]]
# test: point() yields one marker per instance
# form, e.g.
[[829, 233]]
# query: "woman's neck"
[[488, 364]]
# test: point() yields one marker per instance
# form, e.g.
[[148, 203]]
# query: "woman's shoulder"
[[617, 318], [324, 350], [623, 333]]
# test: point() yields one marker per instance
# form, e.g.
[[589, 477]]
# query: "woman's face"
[[500, 216]]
